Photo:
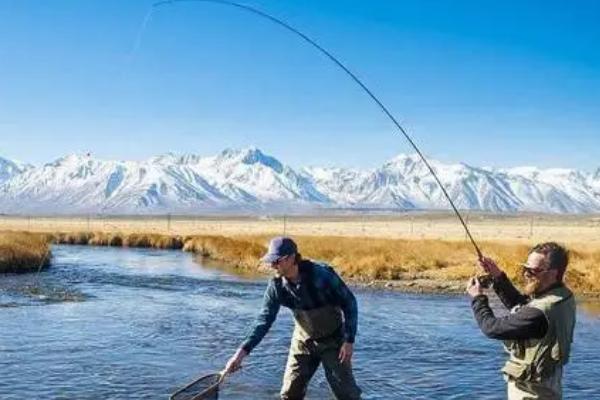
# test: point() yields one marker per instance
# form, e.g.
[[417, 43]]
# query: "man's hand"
[[490, 267], [346, 352], [235, 362], [473, 287]]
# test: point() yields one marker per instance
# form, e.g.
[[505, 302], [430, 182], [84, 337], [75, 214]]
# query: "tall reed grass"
[[144, 240], [239, 253], [365, 259], [361, 259], [23, 252]]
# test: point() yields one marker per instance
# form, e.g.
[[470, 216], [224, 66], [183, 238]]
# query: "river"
[[114, 323]]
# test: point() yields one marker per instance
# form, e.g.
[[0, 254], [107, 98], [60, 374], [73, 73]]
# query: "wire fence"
[[421, 226]]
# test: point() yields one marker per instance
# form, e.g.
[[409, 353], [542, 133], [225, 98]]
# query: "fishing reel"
[[485, 281]]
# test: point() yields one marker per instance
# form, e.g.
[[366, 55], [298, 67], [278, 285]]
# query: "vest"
[[536, 360]]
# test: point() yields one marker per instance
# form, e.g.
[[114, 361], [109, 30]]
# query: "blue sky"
[[484, 82]]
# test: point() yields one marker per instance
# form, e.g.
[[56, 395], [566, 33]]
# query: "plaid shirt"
[[318, 286]]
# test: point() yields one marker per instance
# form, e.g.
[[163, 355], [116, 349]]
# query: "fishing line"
[[337, 62], [140, 33]]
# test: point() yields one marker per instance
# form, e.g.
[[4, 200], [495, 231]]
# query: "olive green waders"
[[549, 388], [317, 339]]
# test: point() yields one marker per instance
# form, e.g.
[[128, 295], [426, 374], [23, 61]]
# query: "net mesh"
[[204, 388]]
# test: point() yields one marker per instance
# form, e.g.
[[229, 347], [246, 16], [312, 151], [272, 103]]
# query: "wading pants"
[[549, 388], [304, 359]]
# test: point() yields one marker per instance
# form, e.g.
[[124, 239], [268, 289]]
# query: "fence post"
[[531, 227]]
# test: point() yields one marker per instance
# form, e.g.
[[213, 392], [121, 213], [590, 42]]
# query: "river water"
[[112, 323]]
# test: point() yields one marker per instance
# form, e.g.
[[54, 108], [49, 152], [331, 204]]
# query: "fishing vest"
[[317, 323], [535, 360]]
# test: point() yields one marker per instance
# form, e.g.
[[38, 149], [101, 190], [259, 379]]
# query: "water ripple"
[[129, 323]]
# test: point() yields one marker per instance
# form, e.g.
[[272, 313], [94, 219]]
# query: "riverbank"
[[430, 266], [23, 252]]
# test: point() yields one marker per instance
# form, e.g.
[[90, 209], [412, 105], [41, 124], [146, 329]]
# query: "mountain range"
[[250, 181]]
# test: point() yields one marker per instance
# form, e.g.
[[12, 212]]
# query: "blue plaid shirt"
[[318, 286]]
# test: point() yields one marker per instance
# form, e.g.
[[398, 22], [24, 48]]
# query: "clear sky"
[[500, 83]]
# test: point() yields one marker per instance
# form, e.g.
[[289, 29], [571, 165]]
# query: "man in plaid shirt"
[[325, 314]]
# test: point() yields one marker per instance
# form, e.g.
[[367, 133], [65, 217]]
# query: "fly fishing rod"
[[364, 87]]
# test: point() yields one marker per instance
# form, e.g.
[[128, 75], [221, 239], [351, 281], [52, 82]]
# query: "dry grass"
[[145, 240], [358, 259], [366, 259], [106, 239], [80, 238], [238, 253], [23, 252], [363, 248], [153, 240]]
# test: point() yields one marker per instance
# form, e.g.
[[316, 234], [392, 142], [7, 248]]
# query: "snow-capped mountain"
[[8, 169], [250, 181]]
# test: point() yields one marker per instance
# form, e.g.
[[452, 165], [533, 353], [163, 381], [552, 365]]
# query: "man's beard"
[[531, 286]]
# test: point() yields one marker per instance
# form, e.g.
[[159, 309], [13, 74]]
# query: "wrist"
[[479, 297]]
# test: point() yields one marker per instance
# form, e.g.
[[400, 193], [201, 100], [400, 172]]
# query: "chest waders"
[[534, 369], [318, 323], [317, 339]]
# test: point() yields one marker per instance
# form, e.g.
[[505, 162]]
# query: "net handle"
[[222, 375]]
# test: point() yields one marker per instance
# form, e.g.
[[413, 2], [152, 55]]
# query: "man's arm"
[[264, 320], [526, 323], [507, 292], [347, 302]]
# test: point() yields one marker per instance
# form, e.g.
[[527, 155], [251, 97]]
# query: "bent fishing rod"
[[364, 87]]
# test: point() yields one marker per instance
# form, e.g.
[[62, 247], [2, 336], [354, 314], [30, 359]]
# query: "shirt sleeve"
[[526, 323], [508, 293], [347, 302], [264, 320]]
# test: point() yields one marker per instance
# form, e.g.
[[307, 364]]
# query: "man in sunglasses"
[[325, 315], [538, 332]]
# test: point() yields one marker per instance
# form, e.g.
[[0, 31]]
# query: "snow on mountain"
[[247, 179], [233, 179], [594, 183], [554, 190], [259, 177], [82, 184], [9, 168]]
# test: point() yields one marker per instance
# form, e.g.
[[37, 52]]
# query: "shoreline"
[[412, 266]]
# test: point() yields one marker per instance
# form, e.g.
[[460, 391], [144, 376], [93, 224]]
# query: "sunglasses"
[[527, 270]]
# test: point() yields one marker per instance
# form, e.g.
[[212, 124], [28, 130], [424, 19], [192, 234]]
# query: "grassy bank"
[[419, 265], [23, 252]]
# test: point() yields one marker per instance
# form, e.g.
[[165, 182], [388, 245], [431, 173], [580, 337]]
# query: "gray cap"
[[279, 247]]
